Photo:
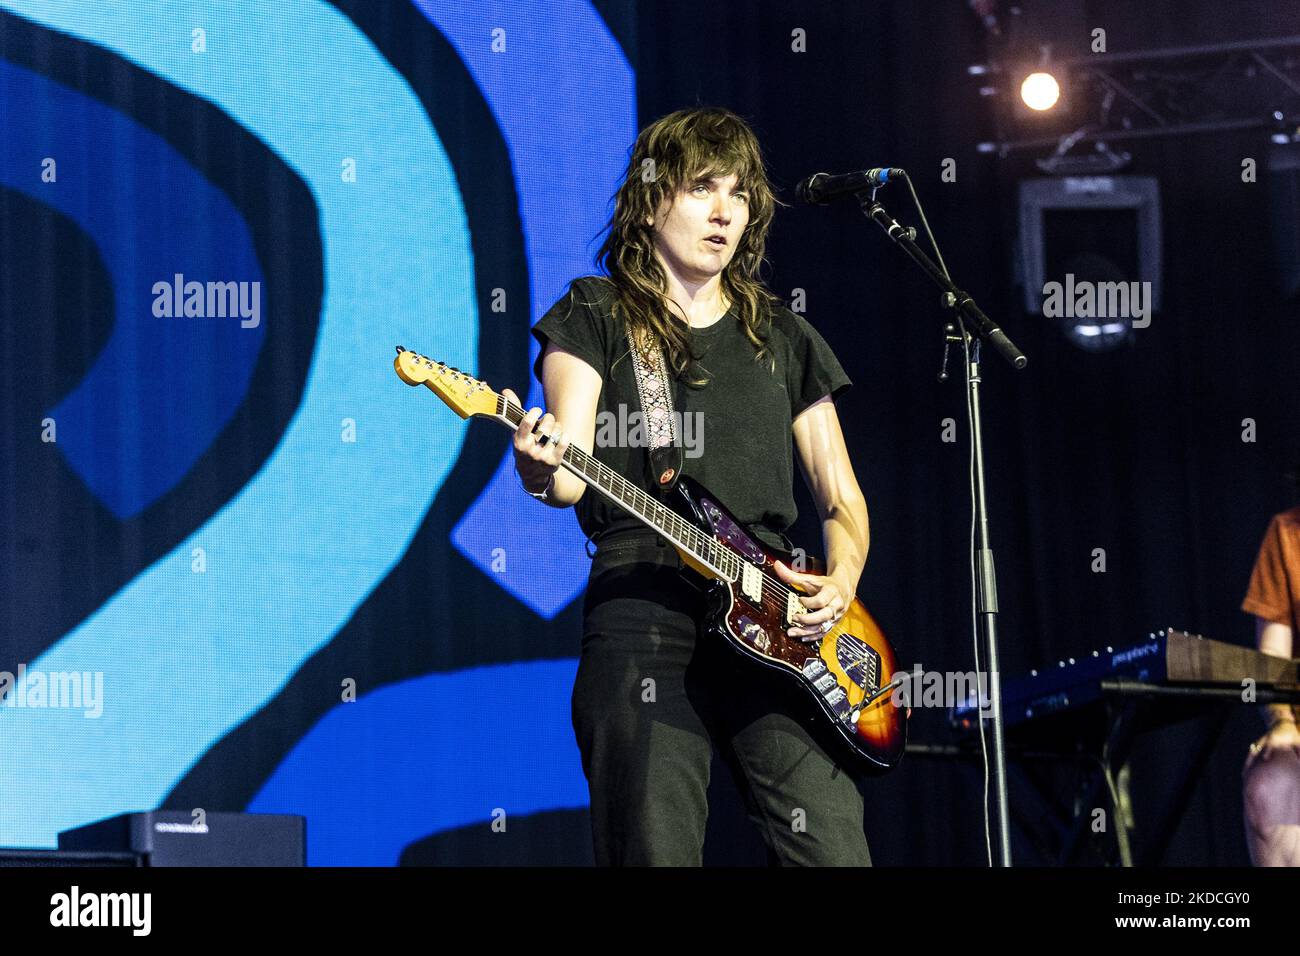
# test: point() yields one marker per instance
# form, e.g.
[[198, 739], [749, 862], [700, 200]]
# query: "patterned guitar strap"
[[655, 389]]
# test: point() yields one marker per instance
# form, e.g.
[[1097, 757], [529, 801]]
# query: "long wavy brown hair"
[[669, 155]]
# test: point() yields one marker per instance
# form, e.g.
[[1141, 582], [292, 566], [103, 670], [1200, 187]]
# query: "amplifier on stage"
[[182, 838]]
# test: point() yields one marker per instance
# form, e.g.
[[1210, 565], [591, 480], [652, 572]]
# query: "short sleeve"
[[1269, 595], [572, 324], [814, 370]]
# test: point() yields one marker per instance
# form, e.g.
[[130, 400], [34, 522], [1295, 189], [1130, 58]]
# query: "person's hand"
[[539, 443], [826, 600], [1284, 736]]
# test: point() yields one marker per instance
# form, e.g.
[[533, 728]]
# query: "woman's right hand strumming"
[[540, 444]]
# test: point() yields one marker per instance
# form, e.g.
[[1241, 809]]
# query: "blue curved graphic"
[[568, 139], [187, 655], [370, 776], [162, 388]]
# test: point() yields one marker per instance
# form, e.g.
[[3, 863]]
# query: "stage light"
[[1040, 91], [1097, 337]]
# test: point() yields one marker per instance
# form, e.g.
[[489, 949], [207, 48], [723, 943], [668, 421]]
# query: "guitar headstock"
[[464, 394]]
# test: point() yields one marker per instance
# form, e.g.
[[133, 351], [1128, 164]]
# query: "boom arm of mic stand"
[[971, 314]]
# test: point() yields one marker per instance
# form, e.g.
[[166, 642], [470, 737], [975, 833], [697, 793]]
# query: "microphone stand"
[[978, 326]]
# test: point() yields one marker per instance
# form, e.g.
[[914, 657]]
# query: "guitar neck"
[[704, 548]]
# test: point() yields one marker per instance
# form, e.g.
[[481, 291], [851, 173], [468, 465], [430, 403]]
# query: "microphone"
[[821, 188]]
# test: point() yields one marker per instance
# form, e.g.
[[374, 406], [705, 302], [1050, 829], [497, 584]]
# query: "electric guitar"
[[848, 671]]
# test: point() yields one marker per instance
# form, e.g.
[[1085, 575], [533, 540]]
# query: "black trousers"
[[655, 695]]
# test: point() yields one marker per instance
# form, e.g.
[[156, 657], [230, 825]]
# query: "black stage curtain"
[[1137, 451]]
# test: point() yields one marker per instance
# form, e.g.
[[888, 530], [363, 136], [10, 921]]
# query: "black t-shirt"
[[740, 446]]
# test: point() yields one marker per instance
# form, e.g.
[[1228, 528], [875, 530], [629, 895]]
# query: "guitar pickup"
[[751, 584], [793, 606]]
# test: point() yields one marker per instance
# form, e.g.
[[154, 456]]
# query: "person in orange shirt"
[[1271, 776]]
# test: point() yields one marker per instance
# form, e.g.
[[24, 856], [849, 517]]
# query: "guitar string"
[[843, 666], [704, 541], [768, 586], [514, 414]]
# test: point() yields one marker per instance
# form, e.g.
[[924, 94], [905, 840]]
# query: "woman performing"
[[753, 383]]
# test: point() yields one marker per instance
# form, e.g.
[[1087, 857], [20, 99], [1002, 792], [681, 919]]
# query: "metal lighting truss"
[[1173, 91]]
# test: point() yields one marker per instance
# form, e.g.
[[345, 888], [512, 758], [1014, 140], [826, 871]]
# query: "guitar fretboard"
[[703, 547]]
